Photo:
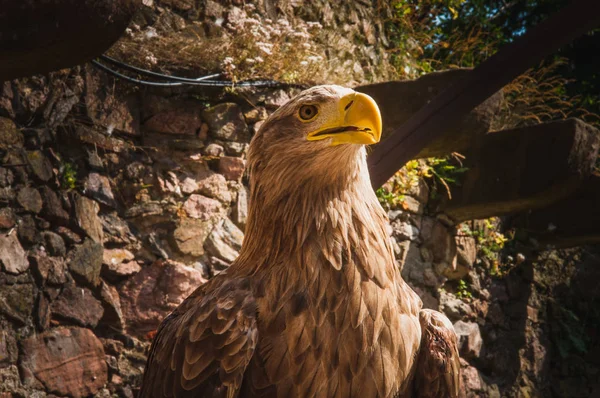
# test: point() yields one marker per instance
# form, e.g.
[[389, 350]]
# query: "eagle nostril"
[[349, 105]]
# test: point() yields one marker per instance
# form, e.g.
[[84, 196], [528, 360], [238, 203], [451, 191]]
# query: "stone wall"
[[115, 206], [525, 318], [116, 202]]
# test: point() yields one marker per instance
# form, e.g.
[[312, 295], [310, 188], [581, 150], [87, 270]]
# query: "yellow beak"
[[358, 122]]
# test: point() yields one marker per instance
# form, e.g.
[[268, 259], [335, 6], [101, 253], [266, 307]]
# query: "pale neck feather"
[[330, 221]]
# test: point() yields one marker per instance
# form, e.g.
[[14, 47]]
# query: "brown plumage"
[[438, 365], [314, 306]]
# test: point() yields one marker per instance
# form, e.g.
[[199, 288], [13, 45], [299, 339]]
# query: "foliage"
[[446, 171], [509, 20], [68, 175], [391, 195], [443, 171], [491, 238], [490, 243], [261, 47], [388, 199], [429, 35], [540, 95], [421, 42], [462, 290], [247, 46]]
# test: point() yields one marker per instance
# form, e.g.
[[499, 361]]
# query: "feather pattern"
[[205, 345], [438, 366]]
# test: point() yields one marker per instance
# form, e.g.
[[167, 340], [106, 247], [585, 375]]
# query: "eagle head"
[[319, 135]]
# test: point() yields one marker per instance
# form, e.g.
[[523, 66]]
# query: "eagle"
[[315, 305]]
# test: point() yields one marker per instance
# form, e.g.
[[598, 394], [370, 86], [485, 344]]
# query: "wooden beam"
[[42, 36], [448, 108], [574, 221], [399, 100], [522, 169]]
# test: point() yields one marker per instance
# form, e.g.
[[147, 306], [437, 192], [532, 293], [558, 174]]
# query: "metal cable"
[[133, 80], [180, 81], [155, 74]]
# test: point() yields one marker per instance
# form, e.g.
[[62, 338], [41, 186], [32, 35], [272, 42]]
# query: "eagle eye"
[[308, 112]]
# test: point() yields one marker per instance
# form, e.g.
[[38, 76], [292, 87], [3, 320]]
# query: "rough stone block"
[[8, 346], [190, 235], [7, 218], [52, 208], [54, 244], [108, 108], [16, 301], [231, 167], [469, 338], [9, 134], [86, 215], [67, 361], [94, 138], [239, 212], [226, 122], [78, 305], [225, 241], [111, 302], [151, 294], [213, 185], [201, 207], [12, 255], [51, 270], [175, 117], [30, 199], [98, 187], [41, 166], [85, 261]]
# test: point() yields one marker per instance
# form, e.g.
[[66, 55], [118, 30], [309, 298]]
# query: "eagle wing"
[[202, 348], [438, 366]]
